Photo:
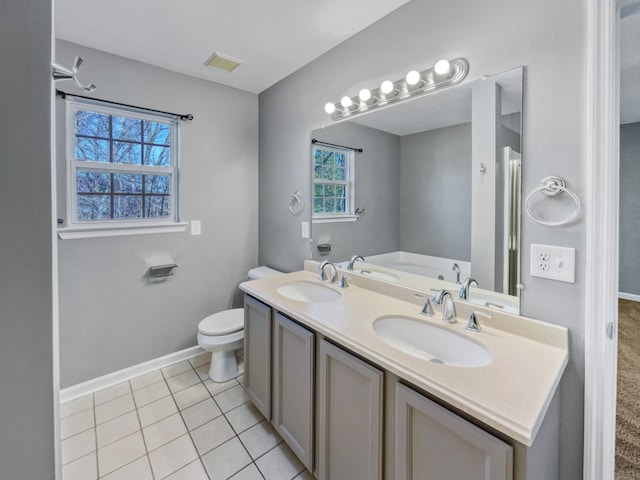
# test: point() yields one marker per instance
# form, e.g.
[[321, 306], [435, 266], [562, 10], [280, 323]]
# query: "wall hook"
[[483, 168], [63, 73]]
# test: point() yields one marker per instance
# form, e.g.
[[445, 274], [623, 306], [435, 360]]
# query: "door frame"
[[602, 218]]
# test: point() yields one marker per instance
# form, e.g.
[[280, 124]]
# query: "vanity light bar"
[[443, 74]]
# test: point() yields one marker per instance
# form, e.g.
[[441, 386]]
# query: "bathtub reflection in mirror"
[[434, 196]]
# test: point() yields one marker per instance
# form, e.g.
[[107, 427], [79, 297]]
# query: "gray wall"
[[629, 208], [377, 176], [435, 178], [26, 311], [110, 316], [547, 36]]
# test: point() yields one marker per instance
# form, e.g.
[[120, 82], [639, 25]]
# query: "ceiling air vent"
[[223, 62]]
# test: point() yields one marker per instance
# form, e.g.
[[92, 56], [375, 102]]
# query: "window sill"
[[93, 231], [341, 218]]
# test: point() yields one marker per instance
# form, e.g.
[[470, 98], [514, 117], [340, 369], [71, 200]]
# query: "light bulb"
[[442, 67], [330, 108], [365, 94], [413, 77], [387, 87], [346, 102]]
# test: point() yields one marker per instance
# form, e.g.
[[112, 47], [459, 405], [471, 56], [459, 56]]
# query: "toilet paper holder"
[[161, 271]]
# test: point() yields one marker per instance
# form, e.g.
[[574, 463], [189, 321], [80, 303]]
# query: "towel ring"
[[296, 203], [552, 186]]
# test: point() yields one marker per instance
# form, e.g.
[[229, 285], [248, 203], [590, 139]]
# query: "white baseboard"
[[110, 379], [629, 296]]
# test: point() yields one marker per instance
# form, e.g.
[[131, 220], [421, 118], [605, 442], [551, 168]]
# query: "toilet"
[[222, 334]]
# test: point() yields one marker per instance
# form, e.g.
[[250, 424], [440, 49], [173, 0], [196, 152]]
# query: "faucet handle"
[[472, 324], [344, 281], [428, 308]]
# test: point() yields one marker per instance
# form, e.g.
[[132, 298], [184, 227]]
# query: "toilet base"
[[224, 366]]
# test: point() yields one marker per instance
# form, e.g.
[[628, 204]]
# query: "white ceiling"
[[274, 38]]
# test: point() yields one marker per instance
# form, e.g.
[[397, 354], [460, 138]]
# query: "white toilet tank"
[[262, 272]]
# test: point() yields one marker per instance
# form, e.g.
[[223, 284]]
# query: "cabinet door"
[[433, 443], [257, 354], [350, 416], [293, 381]]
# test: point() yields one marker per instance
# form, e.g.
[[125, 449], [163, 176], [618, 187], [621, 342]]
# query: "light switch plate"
[[305, 229], [195, 227], [556, 263]]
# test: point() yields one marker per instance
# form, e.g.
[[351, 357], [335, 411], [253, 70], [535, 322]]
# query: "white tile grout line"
[[144, 441], [171, 394]]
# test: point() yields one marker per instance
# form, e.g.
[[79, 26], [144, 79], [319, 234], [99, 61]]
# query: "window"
[[123, 166], [332, 183]]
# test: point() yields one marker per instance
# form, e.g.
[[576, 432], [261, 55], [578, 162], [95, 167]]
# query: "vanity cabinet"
[[433, 443], [257, 354], [293, 386], [350, 395], [328, 406]]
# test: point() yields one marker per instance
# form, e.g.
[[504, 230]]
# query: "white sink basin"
[[308, 292], [430, 342]]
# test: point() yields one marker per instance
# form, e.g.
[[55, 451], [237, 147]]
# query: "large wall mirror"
[[434, 196]]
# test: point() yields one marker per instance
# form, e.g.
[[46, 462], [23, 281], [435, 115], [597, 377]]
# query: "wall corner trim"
[[601, 309]]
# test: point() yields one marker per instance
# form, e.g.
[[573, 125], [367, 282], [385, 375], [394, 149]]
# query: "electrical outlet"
[[556, 263], [195, 227]]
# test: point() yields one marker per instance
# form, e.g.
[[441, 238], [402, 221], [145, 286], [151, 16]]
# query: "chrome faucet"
[[456, 268], [444, 297], [353, 260], [466, 285], [323, 275]]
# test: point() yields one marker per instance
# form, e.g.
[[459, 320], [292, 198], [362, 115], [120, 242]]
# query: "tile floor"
[[174, 424]]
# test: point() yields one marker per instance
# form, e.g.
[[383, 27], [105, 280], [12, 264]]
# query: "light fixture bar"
[[443, 74]]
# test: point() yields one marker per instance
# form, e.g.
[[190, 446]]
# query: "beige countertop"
[[511, 394]]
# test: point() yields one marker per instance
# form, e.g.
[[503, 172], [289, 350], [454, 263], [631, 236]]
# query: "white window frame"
[[349, 183], [101, 228]]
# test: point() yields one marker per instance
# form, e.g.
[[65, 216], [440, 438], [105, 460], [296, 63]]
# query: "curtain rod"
[[181, 116], [314, 141]]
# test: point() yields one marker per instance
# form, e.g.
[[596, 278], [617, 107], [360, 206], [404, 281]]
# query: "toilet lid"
[[222, 323]]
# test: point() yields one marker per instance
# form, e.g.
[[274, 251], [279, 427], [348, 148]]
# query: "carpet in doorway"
[[628, 401]]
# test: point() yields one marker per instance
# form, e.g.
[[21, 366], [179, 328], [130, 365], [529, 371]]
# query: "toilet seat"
[[222, 323], [222, 342]]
